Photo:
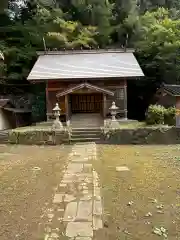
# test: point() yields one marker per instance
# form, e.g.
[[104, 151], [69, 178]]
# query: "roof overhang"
[[118, 50], [17, 110], [4, 102], [96, 64], [84, 85], [173, 90]]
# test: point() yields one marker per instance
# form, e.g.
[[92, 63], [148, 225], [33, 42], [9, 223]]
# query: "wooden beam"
[[54, 89], [47, 103], [67, 108], [125, 99], [84, 85], [104, 105]]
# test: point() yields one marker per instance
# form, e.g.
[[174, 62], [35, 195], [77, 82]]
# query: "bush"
[[170, 116], [155, 115]]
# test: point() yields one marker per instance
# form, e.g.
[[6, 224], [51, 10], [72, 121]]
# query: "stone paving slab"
[[70, 212], [83, 238], [75, 168], [97, 208], [78, 197], [97, 223], [77, 229], [122, 168], [69, 198], [58, 198], [84, 211], [79, 159]]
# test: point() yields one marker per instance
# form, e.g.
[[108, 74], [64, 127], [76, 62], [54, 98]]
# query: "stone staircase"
[[85, 135], [4, 136]]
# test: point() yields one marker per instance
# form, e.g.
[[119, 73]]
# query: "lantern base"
[[57, 125], [114, 124]]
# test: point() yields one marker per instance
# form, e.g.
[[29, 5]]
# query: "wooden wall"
[[118, 86], [57, 85], [178, 103], [165, 99]]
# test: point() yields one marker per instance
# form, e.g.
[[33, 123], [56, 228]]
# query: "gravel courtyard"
[[89, 191]]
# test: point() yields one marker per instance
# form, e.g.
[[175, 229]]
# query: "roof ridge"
[[94, 51], [172, 85]]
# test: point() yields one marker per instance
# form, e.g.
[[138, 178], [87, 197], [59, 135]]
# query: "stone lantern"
[[113, 110], [114, 124], [1, 56], [56, 112]]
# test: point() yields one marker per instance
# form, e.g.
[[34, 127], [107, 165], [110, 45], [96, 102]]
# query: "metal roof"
[[85, 65], [17, 110], [4, 102], [172, 89]]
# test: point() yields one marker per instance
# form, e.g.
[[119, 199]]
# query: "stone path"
[[77, 205]]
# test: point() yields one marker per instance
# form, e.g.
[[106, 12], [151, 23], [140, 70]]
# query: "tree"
[[125, 21], [97, 13], [21, 38], [159, 46]]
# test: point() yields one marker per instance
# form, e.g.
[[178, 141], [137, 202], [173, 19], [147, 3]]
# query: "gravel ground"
[[137, 200], [28, 175], [141, 199]]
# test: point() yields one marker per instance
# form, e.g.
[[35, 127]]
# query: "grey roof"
[[172, 89], [85, 65], [17, 110], [4, 102]]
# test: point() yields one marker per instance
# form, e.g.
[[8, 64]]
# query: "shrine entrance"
[[86, 103]]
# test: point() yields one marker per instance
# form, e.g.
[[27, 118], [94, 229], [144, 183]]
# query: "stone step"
[[85, 135], [86, 132], [86, 128], [95, 139], [3, 133], [4, 137]]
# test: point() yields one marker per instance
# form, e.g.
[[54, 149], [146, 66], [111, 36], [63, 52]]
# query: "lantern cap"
[[113, 107], [56, 108]]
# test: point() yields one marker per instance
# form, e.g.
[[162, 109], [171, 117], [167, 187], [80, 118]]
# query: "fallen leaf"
[[36, 169], [160, 206], [159, 211], [157, 231], [130, 203], [149, 214]]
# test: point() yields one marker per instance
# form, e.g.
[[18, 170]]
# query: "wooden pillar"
[[47, 102], [67, 107], [16, 120], [125, 99], [104, 105]]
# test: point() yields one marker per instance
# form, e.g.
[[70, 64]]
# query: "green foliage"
[[19, 40], [97, 13], [170, 116], [71, 35], [39, 108], [158, 114], [153, 31], [159, 45], [155, 115]]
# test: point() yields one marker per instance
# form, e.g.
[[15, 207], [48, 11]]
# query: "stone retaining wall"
[[147, 135], [38, 137]]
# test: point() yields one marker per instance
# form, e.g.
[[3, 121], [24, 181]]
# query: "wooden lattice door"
[[86, 103]]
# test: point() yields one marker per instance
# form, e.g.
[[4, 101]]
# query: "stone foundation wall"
[[147, 135], [38, 137]]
